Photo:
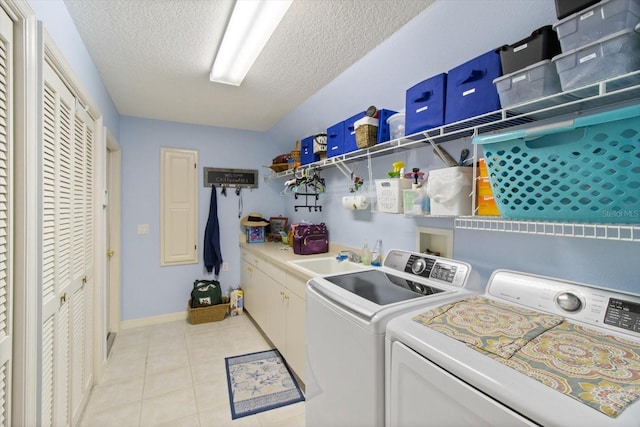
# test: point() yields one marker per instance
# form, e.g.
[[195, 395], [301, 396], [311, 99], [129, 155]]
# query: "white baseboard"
[[153, 320]]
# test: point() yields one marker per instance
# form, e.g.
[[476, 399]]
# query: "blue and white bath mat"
[[259, 382]]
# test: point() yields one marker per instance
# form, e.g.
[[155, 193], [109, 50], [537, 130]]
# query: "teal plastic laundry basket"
[[582, 170]]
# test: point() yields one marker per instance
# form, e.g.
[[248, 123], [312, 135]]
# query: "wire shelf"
[[608, 93]]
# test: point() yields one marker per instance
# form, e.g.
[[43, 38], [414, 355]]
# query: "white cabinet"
[[275, 299]]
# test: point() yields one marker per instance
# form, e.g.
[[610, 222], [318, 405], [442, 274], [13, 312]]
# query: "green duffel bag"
[[205, 293]]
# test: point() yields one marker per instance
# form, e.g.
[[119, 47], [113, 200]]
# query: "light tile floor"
[[173, 374]]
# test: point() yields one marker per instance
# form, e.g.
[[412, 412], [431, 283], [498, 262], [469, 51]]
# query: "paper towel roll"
[[355, 202]]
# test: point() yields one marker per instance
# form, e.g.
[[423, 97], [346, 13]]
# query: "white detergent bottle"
[[376, 255]]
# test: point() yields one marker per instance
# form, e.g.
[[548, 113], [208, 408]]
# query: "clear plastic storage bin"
[[533, 82], [596, 22], [612, 56]]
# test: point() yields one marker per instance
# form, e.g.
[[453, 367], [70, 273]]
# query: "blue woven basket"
[[583, 170]]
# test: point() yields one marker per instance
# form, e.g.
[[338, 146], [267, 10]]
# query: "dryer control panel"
[[573, 301]]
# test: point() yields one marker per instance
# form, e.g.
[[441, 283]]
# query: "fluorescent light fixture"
[[250, 27]]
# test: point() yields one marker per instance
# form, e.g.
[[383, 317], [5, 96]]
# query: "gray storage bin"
[[596, 22], [533, 82], [609, 57]]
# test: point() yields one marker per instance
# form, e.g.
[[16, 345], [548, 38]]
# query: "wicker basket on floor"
[[212, 313]]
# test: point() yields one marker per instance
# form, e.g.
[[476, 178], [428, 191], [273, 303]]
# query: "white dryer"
[[530, 351]]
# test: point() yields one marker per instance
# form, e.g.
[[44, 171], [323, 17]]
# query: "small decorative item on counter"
[[236, 302], [255, 224], [255, 234], [366, 255]]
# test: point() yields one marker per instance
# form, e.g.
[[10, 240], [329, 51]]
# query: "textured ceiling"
[[154, 56]]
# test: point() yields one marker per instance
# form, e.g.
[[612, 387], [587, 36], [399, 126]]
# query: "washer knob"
[[418, 266], [568, 301]]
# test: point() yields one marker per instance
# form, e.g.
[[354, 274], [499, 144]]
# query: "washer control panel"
[[573, 301], [441, 270]]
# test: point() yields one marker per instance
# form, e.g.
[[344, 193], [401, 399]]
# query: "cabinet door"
[[248, 287], [276, 316], [296, 336], [257, 295]]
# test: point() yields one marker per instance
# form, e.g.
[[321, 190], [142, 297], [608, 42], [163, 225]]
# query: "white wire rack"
[[624, 232]]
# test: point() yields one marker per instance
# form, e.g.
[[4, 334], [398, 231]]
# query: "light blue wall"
[[147, 288], [58, 22]]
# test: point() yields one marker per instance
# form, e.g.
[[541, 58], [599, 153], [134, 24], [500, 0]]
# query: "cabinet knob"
[[286, 297], [63, 298], [282, 293]]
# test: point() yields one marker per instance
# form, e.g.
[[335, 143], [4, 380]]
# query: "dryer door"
[[421, 393]]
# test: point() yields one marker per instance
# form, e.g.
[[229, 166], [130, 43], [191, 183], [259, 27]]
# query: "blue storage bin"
[[349, 144], [470, 88], [335, 139], [424, 104], [306, 151], [384, 134], [585, 171]]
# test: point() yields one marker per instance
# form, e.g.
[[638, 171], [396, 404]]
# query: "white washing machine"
[[346, 319], [531, 351]]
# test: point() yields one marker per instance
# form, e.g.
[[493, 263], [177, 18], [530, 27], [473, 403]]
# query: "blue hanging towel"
[[212, 252]]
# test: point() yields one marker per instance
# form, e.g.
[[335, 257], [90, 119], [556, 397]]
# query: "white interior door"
[[6, 184]]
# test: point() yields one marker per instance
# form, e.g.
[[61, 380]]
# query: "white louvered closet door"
[[67, 253], [82, 256], [6, 139]]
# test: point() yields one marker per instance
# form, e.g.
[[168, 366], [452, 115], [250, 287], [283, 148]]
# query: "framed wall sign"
[[277, 224]]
